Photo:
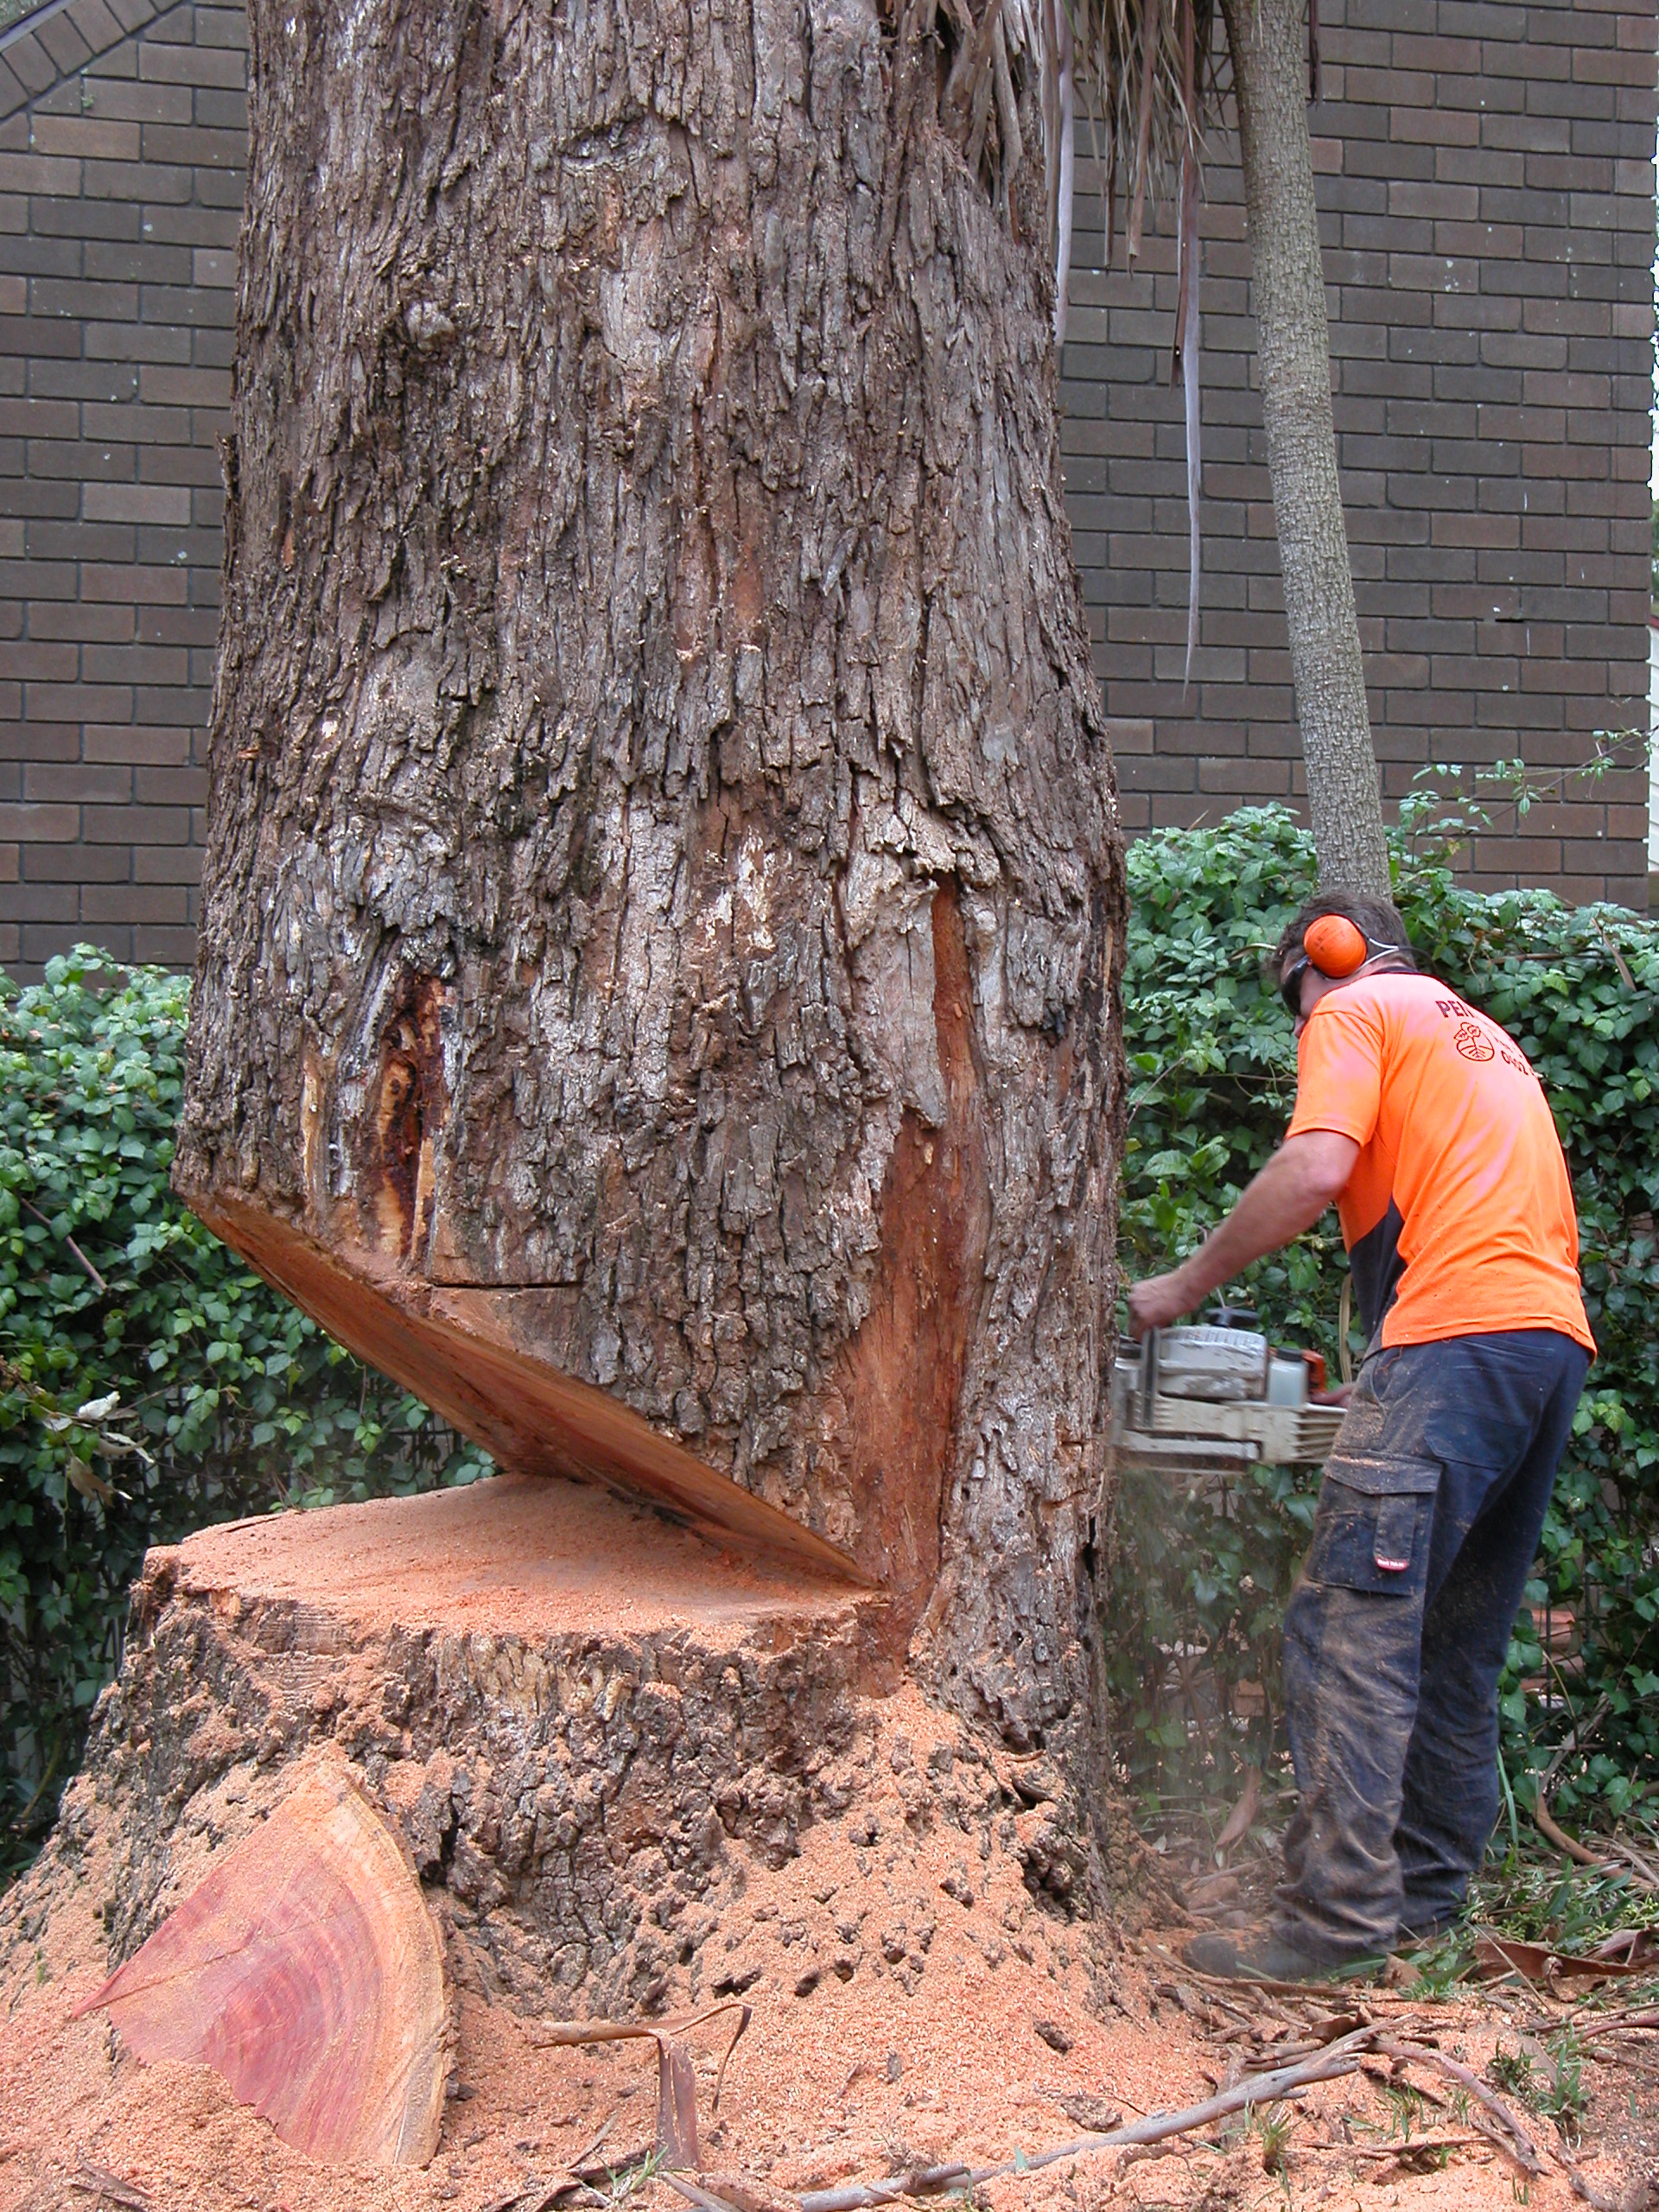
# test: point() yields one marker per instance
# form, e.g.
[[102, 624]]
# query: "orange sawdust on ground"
[[912, 2003], [852, 2079]]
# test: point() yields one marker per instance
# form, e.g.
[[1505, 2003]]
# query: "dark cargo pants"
[[1396, 1635]]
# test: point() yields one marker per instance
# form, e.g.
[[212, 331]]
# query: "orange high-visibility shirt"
[[1459, 1215]]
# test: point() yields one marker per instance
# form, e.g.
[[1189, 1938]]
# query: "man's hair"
[[1376, 917]]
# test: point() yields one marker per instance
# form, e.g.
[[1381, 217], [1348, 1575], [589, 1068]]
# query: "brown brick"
[[164, 948], [42, 825], [133, 743], [136, 825], [150, 503], [133, 903], [92, 135], [77, 781]]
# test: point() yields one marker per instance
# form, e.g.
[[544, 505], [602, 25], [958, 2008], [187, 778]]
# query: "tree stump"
[[586, 1724], [639, 1775]]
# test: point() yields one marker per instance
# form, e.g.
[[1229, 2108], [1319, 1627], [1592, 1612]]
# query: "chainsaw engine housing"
[[1213, 1401]]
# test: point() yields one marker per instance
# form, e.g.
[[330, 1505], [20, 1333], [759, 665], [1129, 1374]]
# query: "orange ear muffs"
[[1335, 945]]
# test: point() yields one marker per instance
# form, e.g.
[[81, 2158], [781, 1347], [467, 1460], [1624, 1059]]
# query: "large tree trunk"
[[656, 979], [1268, 41]]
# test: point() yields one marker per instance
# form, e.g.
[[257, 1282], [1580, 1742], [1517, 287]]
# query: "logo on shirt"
[[1472, 1043]]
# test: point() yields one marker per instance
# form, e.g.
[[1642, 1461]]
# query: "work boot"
[[1270, 1958]]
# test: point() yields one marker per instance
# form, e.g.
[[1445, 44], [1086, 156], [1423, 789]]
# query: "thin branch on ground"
[[1545, 1823], [1646, 2016], [1513, 2139], [1336, 2059]]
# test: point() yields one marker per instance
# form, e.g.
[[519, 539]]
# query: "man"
[[1427, 1125]]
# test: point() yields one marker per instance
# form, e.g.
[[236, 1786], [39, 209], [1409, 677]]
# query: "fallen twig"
[[1405, 2146], [70, 1241], [586, 2157], [1586, 2191], [1647, 1874], [704, 2198], [1393, 2081], [99, 2182], [1336, 2059], [1515, 2141], [1577, 1737], [1545, 1823], [1646, 2017]]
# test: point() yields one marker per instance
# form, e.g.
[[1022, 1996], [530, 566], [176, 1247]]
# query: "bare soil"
[[916, 1997]]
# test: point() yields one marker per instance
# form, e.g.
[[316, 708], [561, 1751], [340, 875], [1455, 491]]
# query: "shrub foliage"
[[1201, 1582], [148, 1381]]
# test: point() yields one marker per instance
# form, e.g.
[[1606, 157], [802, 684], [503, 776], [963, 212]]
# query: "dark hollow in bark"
[[664, 900]]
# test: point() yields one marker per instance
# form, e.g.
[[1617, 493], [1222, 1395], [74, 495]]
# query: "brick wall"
[[1486, 187], [120, 148]]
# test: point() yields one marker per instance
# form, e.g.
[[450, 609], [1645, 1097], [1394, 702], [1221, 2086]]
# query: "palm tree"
[[1147, 69]]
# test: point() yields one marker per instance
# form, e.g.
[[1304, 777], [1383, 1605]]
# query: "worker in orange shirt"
[[1426, 1124]]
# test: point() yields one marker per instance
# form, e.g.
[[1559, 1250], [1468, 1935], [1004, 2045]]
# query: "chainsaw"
[[1216, 1400]]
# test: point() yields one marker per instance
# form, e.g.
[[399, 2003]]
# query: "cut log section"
[[640, 1777], [305, 1969]]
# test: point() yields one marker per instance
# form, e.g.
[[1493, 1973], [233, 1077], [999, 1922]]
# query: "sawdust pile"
[[894, 1907], [912, 2004]]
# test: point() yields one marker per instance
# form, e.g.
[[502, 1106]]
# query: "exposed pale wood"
[[306, 1968]]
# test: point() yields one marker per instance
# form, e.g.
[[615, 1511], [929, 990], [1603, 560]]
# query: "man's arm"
[[1291, 1192]]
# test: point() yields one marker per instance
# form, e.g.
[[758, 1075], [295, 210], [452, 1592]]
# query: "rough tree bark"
[[1267, 40], [663, 899]]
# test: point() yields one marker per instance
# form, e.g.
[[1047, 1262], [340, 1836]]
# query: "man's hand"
[[1157, 1301], [1287, 1197]]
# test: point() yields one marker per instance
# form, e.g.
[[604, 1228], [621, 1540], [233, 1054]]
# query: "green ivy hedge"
[[149, 1382], [1201, 1583]]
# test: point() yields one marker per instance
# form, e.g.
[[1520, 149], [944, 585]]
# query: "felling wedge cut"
[[308, 1971], [453, 1348]]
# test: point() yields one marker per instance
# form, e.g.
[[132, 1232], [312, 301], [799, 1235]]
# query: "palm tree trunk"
[[1267, 39]]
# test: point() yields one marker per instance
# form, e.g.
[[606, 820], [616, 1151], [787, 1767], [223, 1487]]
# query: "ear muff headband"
[[1335, 946]]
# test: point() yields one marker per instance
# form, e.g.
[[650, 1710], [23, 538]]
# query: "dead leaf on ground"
[[1498, 1956], [1634, 1945], [677, 2080], [1211, 1892], [1238, 1820]]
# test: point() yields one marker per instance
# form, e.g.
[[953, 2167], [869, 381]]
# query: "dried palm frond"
[[1147, 66], [1146, 71]]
